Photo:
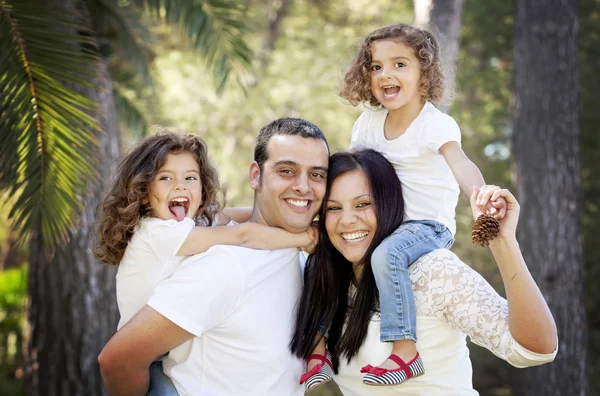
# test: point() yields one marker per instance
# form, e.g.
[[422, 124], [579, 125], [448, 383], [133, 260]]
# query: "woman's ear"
[[145, 202], [254, 174]]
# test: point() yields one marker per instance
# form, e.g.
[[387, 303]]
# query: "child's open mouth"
[[179, 207], [390, 91]]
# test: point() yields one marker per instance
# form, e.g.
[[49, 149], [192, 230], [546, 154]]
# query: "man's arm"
[[125, 359], [201, 293]]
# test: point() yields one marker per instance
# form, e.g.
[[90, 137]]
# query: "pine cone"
[[485, 229]]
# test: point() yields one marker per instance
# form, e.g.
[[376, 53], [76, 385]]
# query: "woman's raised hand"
[[489, 193]]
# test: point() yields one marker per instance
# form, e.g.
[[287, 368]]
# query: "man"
[[227, 315]]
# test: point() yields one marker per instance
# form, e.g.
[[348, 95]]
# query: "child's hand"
[[484, 204], [313, 233], [499, 208], [508, 224], [480, 202]]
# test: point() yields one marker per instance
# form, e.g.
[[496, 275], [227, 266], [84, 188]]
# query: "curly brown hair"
[[357, 82], [127, 202]]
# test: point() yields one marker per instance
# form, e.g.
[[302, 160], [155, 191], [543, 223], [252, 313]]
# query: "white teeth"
[[298, 203], [389, 86], [181, 199], [355, 236]]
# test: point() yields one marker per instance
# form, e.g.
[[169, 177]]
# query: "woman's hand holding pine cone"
[[489, 193]]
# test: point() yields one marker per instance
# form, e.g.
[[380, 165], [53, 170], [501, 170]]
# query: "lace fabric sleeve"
[[447, 288]]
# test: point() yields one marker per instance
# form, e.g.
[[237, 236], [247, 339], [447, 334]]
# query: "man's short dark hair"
[[284, 126]]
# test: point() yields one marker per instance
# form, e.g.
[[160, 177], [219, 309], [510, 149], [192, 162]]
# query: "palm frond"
[[215, 27], [47, 135], [130, 40]]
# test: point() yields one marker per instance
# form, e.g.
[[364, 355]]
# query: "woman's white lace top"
[[453, 301]]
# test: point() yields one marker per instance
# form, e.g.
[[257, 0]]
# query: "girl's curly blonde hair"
[[357, 82], [126, 203]]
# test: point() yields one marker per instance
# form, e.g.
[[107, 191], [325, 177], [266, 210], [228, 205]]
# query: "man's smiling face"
[[290, 189]]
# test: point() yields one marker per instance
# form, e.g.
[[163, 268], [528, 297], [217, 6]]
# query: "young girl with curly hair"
[[160, 209], [397, 74]]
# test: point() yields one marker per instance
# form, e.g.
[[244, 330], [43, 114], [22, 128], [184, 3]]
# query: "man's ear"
[[254, 176]]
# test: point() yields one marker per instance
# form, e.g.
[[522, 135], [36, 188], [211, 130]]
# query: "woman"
[[453, 301]]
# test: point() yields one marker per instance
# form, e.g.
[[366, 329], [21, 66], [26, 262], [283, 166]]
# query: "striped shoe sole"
[[324, 375]]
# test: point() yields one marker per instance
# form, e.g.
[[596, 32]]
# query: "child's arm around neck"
[[251, 235]]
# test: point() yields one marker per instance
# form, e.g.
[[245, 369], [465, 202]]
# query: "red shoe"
[[319, 374], [381, 376]]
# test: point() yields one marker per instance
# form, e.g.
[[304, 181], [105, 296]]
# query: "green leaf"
[[47, 135], [216, 29], [129, 37]]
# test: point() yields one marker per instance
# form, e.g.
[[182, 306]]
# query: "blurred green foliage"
[[301, 79], [13, 290]]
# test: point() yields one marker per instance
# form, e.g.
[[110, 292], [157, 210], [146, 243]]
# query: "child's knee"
[[389, 257], [382, 257]]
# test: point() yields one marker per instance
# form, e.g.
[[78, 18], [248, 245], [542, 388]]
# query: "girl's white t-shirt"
[[150, 258], [429, 188]]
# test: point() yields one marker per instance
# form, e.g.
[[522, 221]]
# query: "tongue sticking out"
[[178, 211]]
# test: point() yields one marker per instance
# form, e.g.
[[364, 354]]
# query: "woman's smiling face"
[[350, 219]]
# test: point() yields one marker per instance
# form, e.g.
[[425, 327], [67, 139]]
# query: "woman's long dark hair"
[[328, 274]]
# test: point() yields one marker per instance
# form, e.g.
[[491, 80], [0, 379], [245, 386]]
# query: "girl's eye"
[[363, 205], [400, 64], [167, 178], [375, 67], [191, 178], [333, 208]]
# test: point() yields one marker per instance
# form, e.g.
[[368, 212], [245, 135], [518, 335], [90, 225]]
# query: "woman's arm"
[[520, 330], [459, 296], [530, 320], [251, 235]]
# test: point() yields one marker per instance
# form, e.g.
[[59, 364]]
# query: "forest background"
[[285, 58]]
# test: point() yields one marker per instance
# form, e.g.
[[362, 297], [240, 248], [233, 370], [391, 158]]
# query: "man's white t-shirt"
[[240, 305], [429, 188], [150, 258]]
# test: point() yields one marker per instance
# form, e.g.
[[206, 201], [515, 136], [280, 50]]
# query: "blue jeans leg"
[[160, 383], [390, 262]]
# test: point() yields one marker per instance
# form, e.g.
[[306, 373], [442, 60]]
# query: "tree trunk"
[[548, 183], [72, 308], [589, 43], [446, 17], [276, 17], [422, 10]]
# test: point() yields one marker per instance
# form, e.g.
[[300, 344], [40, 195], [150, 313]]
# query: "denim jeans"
[[160, 383], [390, 262]]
